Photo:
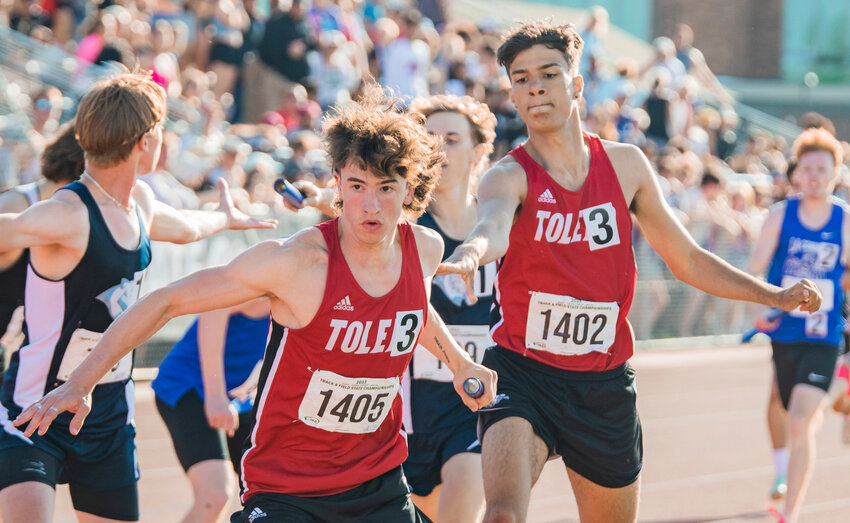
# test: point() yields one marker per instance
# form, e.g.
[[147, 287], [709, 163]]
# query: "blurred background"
[[714, 92]]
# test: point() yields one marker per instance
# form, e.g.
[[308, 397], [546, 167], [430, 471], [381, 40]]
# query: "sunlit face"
[[542, 88], [371, 205], [815, 174], [458, 144]]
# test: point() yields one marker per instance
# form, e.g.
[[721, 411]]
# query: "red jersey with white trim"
[[566, 283], [329, 409]]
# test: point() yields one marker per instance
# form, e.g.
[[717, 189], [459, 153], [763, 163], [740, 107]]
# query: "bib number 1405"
[[341, 404], [567, 326]]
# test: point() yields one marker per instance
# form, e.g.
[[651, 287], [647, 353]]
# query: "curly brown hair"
[[375, 134], [481, 120], [562, 37], [63, 160]]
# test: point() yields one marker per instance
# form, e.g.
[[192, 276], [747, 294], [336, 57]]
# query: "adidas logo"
[[256, 514], [344, 305], [547, 197]]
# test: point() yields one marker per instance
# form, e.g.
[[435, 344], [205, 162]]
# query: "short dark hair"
[[63, 160], [562, 37], [709, 179]]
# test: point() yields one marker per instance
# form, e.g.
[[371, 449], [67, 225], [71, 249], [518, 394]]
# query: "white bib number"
[[81, 344], [473, 338], [570, 327], [340, 404], [816, 325]]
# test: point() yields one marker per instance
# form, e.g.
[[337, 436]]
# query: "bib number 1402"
[[567, 326]]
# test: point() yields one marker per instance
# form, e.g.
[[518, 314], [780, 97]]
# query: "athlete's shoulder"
[[307, 245], [505, 177], [430, 245], [144, 195], [64, 203], [426, 237], [622, 153], [507, 166]]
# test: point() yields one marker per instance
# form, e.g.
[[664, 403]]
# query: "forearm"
[[212, 330], [439, 342], [709, 273], [202, 224], [131, 329], [488, 241]]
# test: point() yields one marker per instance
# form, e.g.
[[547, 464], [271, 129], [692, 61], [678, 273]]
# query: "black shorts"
[[383, 499], [194, 440], [428, 452], [803, 362], [587, 418], [101, 471]]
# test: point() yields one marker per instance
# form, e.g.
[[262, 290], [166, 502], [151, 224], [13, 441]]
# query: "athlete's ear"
[[480, 152], [578, 87], [408, 198]]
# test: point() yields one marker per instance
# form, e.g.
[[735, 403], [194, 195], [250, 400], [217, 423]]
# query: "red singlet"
[[568, 278], [329, 408]]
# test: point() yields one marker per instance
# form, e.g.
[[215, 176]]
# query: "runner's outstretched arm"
[[696, 266], [500, 194], [51, 222], [215, 288], [186, 226]]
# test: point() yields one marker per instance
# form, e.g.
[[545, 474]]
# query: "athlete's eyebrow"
[[544, 66], [352, 179]]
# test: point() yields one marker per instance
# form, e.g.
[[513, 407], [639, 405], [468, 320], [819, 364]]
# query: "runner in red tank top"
[[348, 302], [556, 210]]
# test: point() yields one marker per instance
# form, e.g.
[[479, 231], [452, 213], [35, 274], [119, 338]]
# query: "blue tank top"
[[431, 402], [816, 255], [180, 371], [64, 319]]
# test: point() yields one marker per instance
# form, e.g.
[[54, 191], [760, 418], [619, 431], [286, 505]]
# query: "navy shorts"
[[428, 452], [803, 362], [101, 470], [194, 440], [589, 419], [385, 499]]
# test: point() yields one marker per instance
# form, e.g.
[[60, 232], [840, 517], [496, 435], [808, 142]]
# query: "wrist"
[[462, 362]]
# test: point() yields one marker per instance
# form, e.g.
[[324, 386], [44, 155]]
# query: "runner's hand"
[[246, 390], [463, 261], [314, 196], [221, 414], [803, 294], [487, 377], [236, 219], [65, 398]]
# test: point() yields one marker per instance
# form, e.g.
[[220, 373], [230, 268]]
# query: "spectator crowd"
[[253, 79]]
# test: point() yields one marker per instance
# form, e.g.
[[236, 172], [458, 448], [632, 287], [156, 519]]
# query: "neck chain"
[[127, 208]]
